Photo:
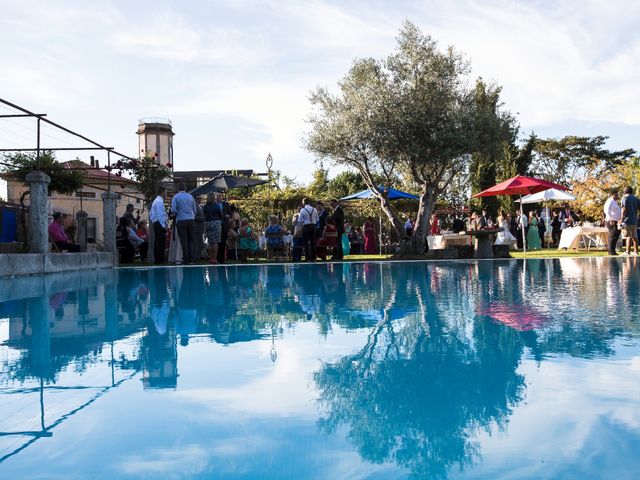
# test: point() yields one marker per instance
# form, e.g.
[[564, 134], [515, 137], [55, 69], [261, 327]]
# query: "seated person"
[[125, 246], [58, 237], [247, 242], [274, 234], [356, 239], [139, 243], [329, 238], [142, 230], [232, 243]]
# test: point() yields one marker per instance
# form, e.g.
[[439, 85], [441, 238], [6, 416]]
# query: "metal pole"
[[269, 163], [380, 234], [38, 145], [524, 237], [109, 171]]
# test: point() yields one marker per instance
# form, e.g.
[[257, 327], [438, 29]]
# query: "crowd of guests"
[[317, 231], [188, 230], [539, 230]]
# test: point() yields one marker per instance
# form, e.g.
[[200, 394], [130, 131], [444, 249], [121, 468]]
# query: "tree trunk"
[[425, 209], [385, 205]]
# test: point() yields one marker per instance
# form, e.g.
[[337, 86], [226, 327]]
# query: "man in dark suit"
[[226, 215], [322, 216], [483, 220], [567, 218], [338, 217]]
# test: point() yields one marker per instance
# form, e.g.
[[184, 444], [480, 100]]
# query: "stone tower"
[[155, 138]]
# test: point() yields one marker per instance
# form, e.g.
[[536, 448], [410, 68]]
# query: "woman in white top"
[[504, 236]]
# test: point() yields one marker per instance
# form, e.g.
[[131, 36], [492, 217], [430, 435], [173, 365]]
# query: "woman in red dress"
[[369, 237]]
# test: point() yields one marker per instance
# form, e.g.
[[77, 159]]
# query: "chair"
[[126, 250], [328, 243], [277, 251]]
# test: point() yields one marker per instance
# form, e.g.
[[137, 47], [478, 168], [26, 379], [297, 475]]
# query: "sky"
[[234, 76]]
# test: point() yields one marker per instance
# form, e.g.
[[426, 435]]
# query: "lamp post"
[[269, 163]]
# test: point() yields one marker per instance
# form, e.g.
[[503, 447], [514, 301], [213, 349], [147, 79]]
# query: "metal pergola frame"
[[41, 117]]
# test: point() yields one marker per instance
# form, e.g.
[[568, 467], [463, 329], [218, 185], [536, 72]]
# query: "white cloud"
[[188, 460], [250, 65]]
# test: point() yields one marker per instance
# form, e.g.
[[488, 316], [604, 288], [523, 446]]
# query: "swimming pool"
[[501, 369]]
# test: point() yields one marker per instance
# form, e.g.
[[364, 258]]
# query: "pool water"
[[491, 369]]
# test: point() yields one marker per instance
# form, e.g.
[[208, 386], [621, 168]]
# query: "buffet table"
[[484, 241], [438, 242], [575, 237]]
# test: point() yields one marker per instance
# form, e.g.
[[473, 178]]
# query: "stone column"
[[109, 227], [38, 211], [81, 229]]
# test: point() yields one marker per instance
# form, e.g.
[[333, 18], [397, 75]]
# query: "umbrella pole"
[[380, 234], [524, 237]]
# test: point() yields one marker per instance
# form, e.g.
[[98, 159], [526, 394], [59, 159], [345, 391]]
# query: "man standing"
[[408, 227], [225, 214], [322, 215], [630, 219], [523, 226], [483, 221], [159, 220], [183, 206], [567, 218], [308, 218], [338, 217], [612, 216], [58, 237]]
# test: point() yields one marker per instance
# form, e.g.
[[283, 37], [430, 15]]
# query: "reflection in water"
[[439, 366]]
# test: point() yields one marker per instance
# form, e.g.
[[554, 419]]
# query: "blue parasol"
[[393, 194]]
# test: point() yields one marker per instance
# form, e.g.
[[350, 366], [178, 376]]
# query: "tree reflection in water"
[[424, 385]]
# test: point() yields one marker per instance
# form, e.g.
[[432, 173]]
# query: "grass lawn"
[[555, 253]]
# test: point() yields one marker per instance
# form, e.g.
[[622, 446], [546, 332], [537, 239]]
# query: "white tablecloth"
[[438, 242], [575, 237]]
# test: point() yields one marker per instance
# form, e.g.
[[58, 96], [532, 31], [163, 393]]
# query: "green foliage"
[[410, 114], [319, 182], [147, 172], [63, 180], [495, 133], [574, 158]]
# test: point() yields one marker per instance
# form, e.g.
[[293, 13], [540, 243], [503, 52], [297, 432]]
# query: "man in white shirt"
[[612, 217], [159, 220], [523, 226], [308, 218]]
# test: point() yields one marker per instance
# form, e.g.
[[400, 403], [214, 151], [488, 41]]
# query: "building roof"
[[92, 173], [211, 173]]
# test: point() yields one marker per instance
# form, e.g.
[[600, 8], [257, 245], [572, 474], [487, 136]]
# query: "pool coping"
[[337, 262]]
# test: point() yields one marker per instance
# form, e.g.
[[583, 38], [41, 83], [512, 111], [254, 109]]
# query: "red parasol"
[[519, 317], [519, 185]]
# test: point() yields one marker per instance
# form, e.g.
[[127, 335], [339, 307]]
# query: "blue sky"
[[234, 76]]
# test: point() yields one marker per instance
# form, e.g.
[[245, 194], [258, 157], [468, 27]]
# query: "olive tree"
[[410, 114]]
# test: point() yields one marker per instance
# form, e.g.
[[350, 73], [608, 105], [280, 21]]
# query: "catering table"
[[484, 241], [586, 236], [438, 242]]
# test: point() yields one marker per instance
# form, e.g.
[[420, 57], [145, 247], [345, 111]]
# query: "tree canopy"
[[64, 181], [410, 114]]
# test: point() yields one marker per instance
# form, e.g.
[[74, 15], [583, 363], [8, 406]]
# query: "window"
[[86, 194]]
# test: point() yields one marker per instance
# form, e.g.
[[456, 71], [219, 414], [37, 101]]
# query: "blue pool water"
[[504, 369]]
